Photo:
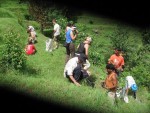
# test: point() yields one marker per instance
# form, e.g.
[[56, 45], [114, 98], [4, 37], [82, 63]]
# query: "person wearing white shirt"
[[73, 69], [130, 84], [56, 34]]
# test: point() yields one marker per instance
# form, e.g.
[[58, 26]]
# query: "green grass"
[[44, 76]]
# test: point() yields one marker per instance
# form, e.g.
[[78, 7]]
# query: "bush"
[[121, 38], [48, 33], [141, 73], [13, 55], [146, 36]]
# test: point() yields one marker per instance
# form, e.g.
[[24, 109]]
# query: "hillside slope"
[[43, 80]]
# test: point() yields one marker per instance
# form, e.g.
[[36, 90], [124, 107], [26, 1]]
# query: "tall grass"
[[43, 78]]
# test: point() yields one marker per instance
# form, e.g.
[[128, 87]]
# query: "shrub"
[[91, 22], [146, 36], [121, 38], [12, 54], [141, 73], [48, 32]]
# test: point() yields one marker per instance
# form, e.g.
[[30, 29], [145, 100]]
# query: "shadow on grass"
[[30, 71], [90, 81]]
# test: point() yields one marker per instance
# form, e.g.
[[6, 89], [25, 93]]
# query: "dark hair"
[[30, 41], [69, 24], [110, 66], [118, 49], [54, 20]]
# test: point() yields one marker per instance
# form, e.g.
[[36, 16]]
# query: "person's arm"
[[55, 28], [86, 46], [78, 46], [122, 64], [115, 82], [25, 49], [126, 87], [73, 37], [54, 31], [34, 48], [73, 80], [121, 67], [110, 60], [32, 35]]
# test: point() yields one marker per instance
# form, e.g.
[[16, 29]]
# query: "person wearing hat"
[[32, 33], [130, 85], [117, 60], [73, 69], [83, 48]]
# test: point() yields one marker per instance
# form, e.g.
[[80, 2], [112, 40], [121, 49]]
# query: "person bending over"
[[73, 69]]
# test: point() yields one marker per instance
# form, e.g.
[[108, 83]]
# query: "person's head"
[[89, 40], [74, 28], [30, 28], [110, 68], [117, 51], [30, 40], [69, 24], [82, 58], [54, 21]]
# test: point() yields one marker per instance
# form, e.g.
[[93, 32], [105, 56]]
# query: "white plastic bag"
[[49, 45], [126, 99]]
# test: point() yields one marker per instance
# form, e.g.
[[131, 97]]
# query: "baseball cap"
[[134, 87]]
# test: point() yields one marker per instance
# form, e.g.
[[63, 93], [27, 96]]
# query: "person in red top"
[[117, 60], [30, 48]]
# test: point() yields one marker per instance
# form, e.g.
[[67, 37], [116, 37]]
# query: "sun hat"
[[134, 87]]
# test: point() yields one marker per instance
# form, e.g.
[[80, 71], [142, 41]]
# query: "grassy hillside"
[[43, 78]]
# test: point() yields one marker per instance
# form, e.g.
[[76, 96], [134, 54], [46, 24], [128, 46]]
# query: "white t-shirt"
[[57, 29], [70, 66], [129, 81]]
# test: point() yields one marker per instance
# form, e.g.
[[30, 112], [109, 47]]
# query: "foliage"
[[146, 36], [136, 58], [91, 22], [42, 78], [12, 54], [48, 33], [141, 73], [6, 13], [121, 38]]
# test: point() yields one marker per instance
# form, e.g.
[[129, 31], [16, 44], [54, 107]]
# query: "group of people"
[[114, 68], [77, 60], [30, 48], [76, 63]]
